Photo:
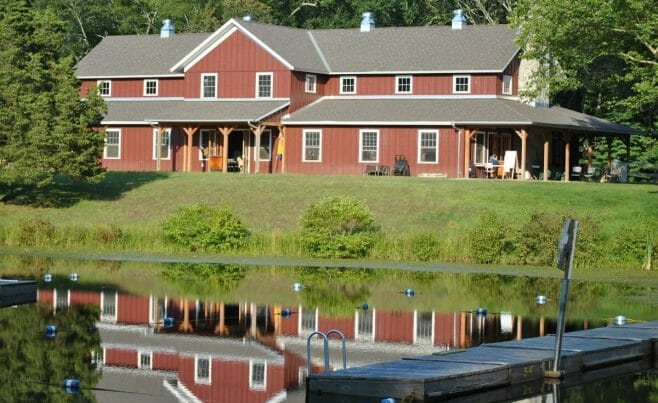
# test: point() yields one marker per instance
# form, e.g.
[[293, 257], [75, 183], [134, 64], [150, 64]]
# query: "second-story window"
[[311, 83], [348, 85], [461, 84], [150, 88], [209, 85], [403, 85], [104, 88], [507, 85], [263, 85]]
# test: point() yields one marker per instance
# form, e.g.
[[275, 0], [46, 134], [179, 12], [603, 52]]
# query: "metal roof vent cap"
[[367, 22], [458, 20], [167, 29], [246, 18]]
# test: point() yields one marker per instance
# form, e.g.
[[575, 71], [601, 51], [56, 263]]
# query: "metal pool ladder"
[[325, 337]]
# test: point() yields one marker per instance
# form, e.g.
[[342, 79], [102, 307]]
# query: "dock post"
[[566, 249]]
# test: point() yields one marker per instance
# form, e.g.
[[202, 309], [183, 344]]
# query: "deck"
[[17, 292], [504, 370]]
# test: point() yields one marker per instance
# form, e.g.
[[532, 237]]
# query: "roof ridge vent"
[[167, 29], [367, 22], [458, 19]]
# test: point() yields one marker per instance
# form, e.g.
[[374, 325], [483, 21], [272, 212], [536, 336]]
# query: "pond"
[[150, 332]]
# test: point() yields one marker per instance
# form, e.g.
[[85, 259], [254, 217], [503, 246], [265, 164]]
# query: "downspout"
[[459, 149]]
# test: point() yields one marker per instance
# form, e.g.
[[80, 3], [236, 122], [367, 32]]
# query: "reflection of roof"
[[139, 112], [423, 111], [141, 337], [133, 385]]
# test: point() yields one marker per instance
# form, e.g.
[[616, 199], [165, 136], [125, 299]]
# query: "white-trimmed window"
[[265, 151], [257, 375], [264, 85], [145, 360], [403, 84], [368, 145], [150, 88], [312, 151], [311, 83], [109, 301], [209, 85], [507, 85], [348, 85], [428, 146], [202, 369], [112, 150], [165, 144], [461, 84], [104, 88]]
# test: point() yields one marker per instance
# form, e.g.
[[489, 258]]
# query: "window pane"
[[461, 84], [311, 81], [369, 146], [264, 86], [404, 84], [348, 85], [507, 85], [258, 374], [209, 84], [112, 141], [203, 368], [312, 146], [151, 87], [265, 147], [428, 146]]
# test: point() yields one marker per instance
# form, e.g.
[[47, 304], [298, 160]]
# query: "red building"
[[253, 97]]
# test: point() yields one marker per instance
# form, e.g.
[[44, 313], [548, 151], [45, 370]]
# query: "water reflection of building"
[[256, 354]]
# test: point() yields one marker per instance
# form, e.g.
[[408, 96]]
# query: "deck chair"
[[401, 167], [576, 171]]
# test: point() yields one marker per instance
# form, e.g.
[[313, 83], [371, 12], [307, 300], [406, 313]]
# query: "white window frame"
[[258, 76], [203, 76], [507, 81], [311, 83], [167, 135], [141, 353], [118, 145], [361, 133], [397, 84], [421, 148], [100, 83], [304, 145], [267, 133], [454, 83], [341, 87], [253, 385], [197, 379], [146, 83]]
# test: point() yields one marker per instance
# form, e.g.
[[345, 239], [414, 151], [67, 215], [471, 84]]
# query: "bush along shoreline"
[[343, 228]]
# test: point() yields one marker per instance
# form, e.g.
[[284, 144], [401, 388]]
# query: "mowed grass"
[[270, 205]]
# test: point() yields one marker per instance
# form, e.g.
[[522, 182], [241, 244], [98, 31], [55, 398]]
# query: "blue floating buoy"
[[364, 307], [285, 313], [481, 312], [48, 278], [51, 331], [409, 292], [74, 276], [620, 320], [71, 386], [388, 400], [168, 323], [541, 299], [297, 287]]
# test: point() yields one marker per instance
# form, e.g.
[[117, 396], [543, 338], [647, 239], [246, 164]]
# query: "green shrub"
[[337, 227], [492, 240], [108, 235], [425, 247], [34, 231], [538, 239], [203, 228]]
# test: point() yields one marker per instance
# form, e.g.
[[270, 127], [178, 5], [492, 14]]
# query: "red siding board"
[[396, 327], [85, 298], [121, 357], [345, 325], [133, 309]]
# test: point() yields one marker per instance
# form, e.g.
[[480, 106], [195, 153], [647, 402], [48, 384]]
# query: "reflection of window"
[[312, 145], [257, 375], [461, 84], [365, 322], [263, 85], [150, 87], [348, 85], [309, 319], [61, 299], [104, 88], [109, 306], [428, 146], [145, 360], [112, 148], [265, 152], [403, 85], [165, 141], [369, 146], [311, 83], [209, 85], [507, 85], [202, 368], [424, 327]]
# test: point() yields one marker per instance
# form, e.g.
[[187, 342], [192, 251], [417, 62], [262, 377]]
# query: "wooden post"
[[590, 150], [282, 138], [225, 131], [187, 152], [542, 325], [158, 148], [220, 328], [523, 135], [567, 155], [519, 327], [609, 141], [257, 130], [468, 134], [547, 140]]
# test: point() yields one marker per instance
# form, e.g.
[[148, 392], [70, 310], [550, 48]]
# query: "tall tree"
[[44, 126]]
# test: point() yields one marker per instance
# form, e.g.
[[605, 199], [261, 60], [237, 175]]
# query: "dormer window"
[[461, 84], [263, 85], [403, 85], [104, 88], [209, 85], [507, 85], [348, 85], [311, 83], [150, 88]]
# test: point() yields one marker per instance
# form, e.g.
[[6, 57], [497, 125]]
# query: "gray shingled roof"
[[137, 55], [137, 112], [441, 111]]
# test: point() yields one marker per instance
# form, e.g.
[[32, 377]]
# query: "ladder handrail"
[[342, 336], [326, 351]]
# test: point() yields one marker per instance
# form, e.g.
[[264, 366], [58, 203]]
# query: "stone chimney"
[[458, 20], [167, 29]]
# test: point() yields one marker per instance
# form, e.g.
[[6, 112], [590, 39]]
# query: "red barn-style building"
[[251, 97]]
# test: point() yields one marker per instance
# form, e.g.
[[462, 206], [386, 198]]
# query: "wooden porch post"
[[590, 150], [187, 151], [468, 134], [547, 140], [158, 148], [257, 130], [282, 139], [225, 131], [523, 134], [567, 156], [609, 140]]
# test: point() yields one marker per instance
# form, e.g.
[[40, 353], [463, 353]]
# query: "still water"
[[147, 332]]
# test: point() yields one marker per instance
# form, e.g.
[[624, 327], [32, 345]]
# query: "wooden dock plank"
[[17, 292]]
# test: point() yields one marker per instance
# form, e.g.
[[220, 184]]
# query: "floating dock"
[[496, 371], [17, 292]]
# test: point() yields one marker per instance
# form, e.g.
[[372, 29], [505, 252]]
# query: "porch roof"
[[446, 111], [137, 112]]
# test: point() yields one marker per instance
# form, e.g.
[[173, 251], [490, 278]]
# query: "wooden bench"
[[377, 170]]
